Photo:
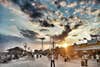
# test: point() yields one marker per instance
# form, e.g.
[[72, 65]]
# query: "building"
[[4, 57], [16, 52], [91, 47]]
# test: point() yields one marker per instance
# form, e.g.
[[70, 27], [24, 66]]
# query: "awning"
[[88, 48]]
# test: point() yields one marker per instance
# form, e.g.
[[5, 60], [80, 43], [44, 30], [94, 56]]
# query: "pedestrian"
[[86, 59], [97, 58], [37, 56], [83, 61], [40, 55], [92, 57], [33, 56], [66, 59], [52, 61]]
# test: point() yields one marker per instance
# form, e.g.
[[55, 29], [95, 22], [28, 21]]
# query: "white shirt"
[[97, 56], [52, 57]]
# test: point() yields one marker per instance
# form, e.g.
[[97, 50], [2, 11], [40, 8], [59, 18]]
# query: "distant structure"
[[42, 39], [25, 46], [16, 52], [92, 46]]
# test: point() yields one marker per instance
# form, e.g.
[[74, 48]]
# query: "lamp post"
[[52, 42], [52, 54], [42, 39]]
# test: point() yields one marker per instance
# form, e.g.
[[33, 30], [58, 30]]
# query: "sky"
[[25, 21]]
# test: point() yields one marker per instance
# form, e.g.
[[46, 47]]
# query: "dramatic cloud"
[[44, 30], [99, 15], [29, 34], [27, 6], [8, 38], [44, 23], [63, 34], [62, 18], [78, 25]]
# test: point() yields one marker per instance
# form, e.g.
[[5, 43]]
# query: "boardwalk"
[[44, 62]]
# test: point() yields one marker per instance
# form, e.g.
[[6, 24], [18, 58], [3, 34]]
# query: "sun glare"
[[65, 45]]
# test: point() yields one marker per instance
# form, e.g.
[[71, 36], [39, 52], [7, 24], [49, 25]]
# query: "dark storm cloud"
[[97, 1], [71, 17], [26, 6], [99, 15], [36, 14], [44, 30], [29, 34], [64, 33], [45, 23], [93, 10], [84, 1], [57, 3], [64, 18], [87, 1], [78, 25]]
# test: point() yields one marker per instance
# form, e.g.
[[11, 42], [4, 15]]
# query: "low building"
[[91, 47], [16, 52], [4, 57]]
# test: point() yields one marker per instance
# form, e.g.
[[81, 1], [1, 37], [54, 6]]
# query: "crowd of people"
[[86, 57]]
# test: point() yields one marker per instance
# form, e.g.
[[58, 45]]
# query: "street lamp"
[[42, 39], [52, 53], [52, 42]]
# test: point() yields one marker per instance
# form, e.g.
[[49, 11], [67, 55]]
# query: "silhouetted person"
[[40, 55], [52, 61], [37, 56], [97, 58], [84, 61], [16, 56], [66, 59]]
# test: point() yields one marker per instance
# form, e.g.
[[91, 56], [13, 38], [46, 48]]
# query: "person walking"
[[86, 59], [97, 58], [66, 59], [52, 61]]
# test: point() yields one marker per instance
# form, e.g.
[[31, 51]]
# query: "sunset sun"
[[65, 45]]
